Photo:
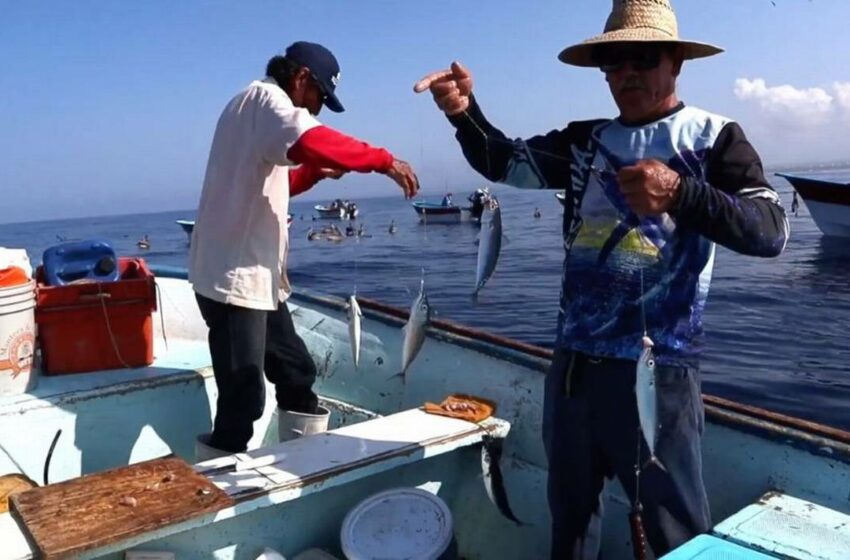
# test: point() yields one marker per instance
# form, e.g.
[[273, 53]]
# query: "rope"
[[50, 456], [102, 297], [161, 314]]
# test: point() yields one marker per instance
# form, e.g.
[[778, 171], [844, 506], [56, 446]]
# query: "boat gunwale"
[[825, 182], [813, 436], [822, 191]]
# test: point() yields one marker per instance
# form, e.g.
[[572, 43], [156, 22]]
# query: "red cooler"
[[97, 325]]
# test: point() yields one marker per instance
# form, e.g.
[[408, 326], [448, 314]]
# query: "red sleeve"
[[325, 147], [302, 179]]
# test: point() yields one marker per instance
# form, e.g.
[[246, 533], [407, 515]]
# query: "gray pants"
[[590, 433]]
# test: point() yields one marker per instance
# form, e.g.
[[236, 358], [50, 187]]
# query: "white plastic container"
[[17, 339], [403, 523], [15, 257]]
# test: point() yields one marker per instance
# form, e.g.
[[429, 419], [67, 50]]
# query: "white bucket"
[[404, 523], [17, 339], [15, 257]]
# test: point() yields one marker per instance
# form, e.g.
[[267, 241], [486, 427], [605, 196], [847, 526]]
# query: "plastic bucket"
[[17, 339], [403, 523]]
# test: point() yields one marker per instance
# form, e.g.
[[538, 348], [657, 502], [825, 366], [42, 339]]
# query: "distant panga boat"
[[189, 225], [447, 211], [337, 210], [434, 212], [828, 202]]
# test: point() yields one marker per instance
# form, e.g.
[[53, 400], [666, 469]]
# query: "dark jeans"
[[590, 422], [243, 344]]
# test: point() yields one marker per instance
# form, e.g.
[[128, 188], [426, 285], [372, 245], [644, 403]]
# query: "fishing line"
[[600, 173], [642, 300], [422, 166], [356, 258]]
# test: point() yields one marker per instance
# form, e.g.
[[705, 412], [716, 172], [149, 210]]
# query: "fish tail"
[[478, 288]]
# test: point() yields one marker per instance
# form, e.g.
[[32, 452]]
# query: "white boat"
[[828, 202], [562, 198], [187, 226], [337, 210], [777, 485]]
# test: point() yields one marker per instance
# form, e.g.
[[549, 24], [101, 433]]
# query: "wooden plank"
[[89, 512]]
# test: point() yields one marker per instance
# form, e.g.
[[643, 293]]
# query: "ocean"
[[777, 329]]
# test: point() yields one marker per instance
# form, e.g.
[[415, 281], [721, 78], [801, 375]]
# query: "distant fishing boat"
[[337, 210], [447, 212], [775, 483], [828, 202], [562, 198], [436, 212], [187, 226]]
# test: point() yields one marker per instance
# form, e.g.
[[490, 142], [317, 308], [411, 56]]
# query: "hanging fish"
[[414, 330], [354, 315], [494, 482], [647, 398], [490, 243]]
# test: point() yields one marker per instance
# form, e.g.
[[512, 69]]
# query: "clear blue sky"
[[109, 107]]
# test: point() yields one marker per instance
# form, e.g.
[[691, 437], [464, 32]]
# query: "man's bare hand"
[[649, 187], [403, 175], [451, 88], [330, 173]]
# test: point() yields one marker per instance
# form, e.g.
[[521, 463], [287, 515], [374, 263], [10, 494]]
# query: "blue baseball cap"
[[324, 67]]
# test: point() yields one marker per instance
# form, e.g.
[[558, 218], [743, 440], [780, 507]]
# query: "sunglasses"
[[640, 57]]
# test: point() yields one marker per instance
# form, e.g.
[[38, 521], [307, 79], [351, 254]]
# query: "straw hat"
[[650, 21]]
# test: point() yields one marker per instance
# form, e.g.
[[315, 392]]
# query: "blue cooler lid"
[[93, 260]]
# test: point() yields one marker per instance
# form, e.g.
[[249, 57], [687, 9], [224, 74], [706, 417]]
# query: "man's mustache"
[[632, 84]]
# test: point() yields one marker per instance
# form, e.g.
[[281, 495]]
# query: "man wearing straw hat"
[[648, 194]]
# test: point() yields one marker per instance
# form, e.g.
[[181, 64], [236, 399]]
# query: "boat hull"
[[562, 198], [187, 226], [114, 418], [340, 213], [436, 213], [828, 203], [325, 214]]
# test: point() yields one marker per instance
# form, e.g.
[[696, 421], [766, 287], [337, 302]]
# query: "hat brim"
[[332, 102], [582, 53]]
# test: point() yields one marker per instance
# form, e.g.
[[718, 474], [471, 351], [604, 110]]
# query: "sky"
[[109, 107]]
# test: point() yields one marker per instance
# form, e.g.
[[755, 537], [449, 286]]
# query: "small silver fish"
[[647, 399], [490, 243], [494, 481], [414, 329], [354, 315]]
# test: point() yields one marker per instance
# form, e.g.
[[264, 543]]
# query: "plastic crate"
[[95, 326]]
